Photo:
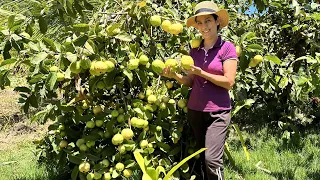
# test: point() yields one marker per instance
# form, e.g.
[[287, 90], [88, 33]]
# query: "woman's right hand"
[[168, 72]]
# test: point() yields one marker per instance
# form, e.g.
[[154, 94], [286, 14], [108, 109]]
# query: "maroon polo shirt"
[[206, 96]]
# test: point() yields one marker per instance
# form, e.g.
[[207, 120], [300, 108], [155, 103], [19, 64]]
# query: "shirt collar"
[[218, 43]]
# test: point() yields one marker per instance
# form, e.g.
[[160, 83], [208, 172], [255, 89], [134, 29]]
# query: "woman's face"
[[207, 26]]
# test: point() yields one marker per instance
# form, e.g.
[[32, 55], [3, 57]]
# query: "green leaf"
[[129, 74], [22, 89], [152, 173], [283, 82], [49, 43], [80, 41], [7, 61], [26, 107], [140, 161], [248, 35], [39, 57], [115, 174], [34, 46], [159, 170], [4, 80], [75, 173], [235, 126], [75, 159], [254, 47], [129, 163], [29, 30], [81, 27], [170, 173], [33, 101], [309, 59], [40, 116], [316, 16], [227, 151], [71, 57], [163, 147], [11, 21], [16, 37], [286, 26], [43, 25], [51, 81], [169, 2], [124, 37], [274, 59], [36, 78]]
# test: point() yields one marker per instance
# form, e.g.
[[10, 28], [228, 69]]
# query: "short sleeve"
[[229, 52], [191, 52]]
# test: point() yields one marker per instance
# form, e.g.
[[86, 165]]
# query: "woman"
[[211, 77]]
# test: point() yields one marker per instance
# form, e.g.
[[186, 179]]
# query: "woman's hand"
[[195, 70], [168, 72]]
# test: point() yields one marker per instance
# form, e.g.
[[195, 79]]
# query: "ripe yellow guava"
[[166, 25], [186, 62], [97, 109], [195, 43], [117, 139], [54, 69], [238, 50], [107, 176], [176, 28], [173, 63], [182, 103], [133, 64], [84, 167], [60, 76], [169, 84], [63, 144], [155, 20], [143, 144], [119, 166], [152, 99], [127, 133], [157, 66], [143, 59], [256, 60], [127, 173]]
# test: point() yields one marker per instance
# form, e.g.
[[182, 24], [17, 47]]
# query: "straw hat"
[[208, 7]]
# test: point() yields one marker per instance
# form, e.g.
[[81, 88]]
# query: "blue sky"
[[251, 10]]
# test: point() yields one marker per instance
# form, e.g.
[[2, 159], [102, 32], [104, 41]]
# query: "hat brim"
[[223, 17]]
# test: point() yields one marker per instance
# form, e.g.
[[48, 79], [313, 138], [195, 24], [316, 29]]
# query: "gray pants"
[[210, 129]]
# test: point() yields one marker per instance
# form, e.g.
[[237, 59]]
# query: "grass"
[[19, 163], [279, 161]]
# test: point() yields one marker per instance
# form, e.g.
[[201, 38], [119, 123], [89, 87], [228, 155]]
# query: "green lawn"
[[279, 161], [18, 162], [282, 162]]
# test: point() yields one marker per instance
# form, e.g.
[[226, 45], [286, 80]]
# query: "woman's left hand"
[[195, 70]]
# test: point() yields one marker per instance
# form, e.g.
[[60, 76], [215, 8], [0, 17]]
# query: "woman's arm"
[[226, 80], [185, 80]]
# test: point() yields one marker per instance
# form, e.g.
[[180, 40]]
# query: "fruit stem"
[[125, 106], [158, 84]]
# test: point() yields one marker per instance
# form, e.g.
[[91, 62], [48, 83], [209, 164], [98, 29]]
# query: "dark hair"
[[215, 18]]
